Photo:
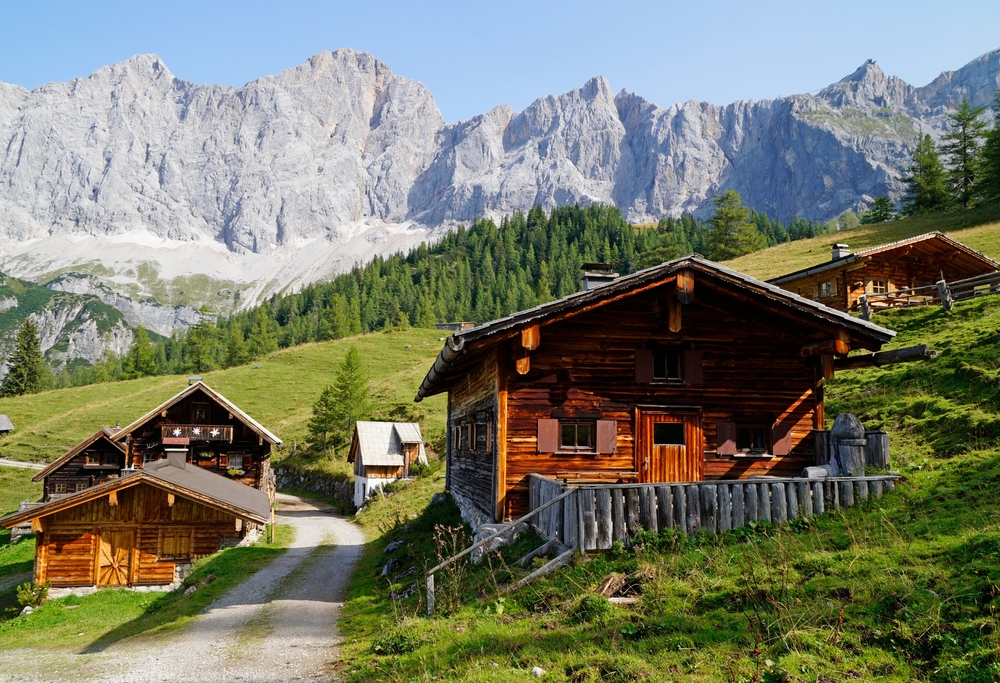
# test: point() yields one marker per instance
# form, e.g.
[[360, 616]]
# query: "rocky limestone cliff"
[[295, 176]]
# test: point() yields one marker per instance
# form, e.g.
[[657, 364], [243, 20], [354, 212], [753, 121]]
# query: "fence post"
[[945, 294], [430, 595], [866, 311]]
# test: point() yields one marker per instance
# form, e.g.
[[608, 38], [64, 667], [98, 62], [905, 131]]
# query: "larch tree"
[[731, 232], [926, 181], [989, 183], [140, 361], [882, 210], [322, 425], [26, 369], [962, 147]]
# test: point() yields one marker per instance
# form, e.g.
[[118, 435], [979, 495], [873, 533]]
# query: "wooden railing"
[[601, 514], [197, 432], [943, 294]]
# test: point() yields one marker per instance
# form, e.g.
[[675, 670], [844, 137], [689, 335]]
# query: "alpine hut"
[[383, 452]]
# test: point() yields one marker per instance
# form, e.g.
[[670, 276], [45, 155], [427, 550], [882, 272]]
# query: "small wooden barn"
[[383, 452], [919, 261], [141, 528], [682, 372], [212, 432], [93, 461]]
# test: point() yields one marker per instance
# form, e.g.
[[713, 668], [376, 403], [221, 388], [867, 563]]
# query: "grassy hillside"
[[980, 229], [905, 588], [279, 394]]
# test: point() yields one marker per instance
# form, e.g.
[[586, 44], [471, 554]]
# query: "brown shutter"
[[781, 438], [643, 366], [725, 437], [607, 437], [692, 367], [548, 436], [223, 459]]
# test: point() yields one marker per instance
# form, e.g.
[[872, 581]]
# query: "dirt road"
[[281, 625]]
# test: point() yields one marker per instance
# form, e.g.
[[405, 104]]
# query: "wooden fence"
[[614, 512], [943, 294]]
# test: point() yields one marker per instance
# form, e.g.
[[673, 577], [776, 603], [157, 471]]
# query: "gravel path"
[[280, 625], [26, 465]]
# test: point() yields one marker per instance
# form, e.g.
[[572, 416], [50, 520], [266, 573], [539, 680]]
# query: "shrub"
[[395, 643], [33, 594], [235, 472], [591, 607], [419, 470]]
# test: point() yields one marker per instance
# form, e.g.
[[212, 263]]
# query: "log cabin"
[[93, 461], [919, 261], [142, 528], [383, 452], [681, 372]]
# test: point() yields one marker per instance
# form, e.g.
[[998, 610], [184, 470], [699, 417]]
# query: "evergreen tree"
[[926, 181], [731, 233], [202, 344], [323, 425], [989, 184], [140, 361], [236, 348], [351, 399], [26, 369], [882, 210], [263, 338], [962, 147]]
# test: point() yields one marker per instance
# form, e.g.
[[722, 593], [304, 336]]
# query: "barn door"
[[114, 560], [670, 447]]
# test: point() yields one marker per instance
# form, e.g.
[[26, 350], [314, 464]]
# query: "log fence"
[[942, 293]]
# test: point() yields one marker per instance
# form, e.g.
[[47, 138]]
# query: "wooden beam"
[[170, 500], [531, 337], [907, 355], [826, 347], [685, 287], [827, 362], [522, 362], [673, 313], [113, 498], [500, 511]]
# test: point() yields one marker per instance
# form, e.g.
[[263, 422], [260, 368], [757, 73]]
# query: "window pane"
[[659, 365], [668, 433], [583, 436], [568, 436], [673, 365], [744, 438], [759, 439]]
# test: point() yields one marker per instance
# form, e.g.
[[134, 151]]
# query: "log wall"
[[96, 464], [473, 401]]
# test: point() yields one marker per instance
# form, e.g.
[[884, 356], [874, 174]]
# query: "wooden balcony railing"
[[198, 432]]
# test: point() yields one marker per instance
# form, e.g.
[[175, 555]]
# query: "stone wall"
[[340, 490]]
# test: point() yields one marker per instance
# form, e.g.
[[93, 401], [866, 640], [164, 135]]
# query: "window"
[[456, 439], [80, 486], [576, 436], [666, 365], [199, 413], [826, 290], [60, 488], [471, 436], [880, 286], [235, 461], [668, 434], [752, 439], [175, 545]]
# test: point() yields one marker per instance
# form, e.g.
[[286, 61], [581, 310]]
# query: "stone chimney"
[[596, 275], [177, 457], [840, 251]]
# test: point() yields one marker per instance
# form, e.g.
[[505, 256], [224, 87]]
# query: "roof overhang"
[[76, 450]]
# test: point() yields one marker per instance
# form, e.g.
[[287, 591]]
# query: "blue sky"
[[474, 55]]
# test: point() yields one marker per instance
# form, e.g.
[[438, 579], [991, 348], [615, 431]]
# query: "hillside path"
[[280, 625], [27, 465]]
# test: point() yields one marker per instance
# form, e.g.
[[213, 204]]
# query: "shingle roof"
[[5, 424], [380, 443]]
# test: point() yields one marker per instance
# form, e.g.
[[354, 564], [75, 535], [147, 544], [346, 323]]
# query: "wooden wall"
[[77, 470], [471, 465], [66, 551], [585, 369]]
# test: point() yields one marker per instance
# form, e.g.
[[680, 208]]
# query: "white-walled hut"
[[383, 452]]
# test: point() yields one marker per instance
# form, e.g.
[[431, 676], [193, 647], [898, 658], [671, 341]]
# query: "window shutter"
[[781, 438], [607, 437], [223, 460], [548, 436], [643, 366], [692, 367], [725, 437]]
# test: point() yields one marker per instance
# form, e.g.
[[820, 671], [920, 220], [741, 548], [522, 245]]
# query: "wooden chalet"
[[907, 264], [383, 452], [682, 372], [141, 528], [93, 461]]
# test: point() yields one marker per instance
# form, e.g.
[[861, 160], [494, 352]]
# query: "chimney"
[[596, 275], [840, 251], [193, 379], [177, 457]]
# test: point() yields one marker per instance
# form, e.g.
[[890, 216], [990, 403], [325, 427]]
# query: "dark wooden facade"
[[915, 262], [95, 460], [679, 373]]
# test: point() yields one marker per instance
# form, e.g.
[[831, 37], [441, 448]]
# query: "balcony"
[[182, 434]]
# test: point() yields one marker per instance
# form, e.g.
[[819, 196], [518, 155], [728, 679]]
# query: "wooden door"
[[670, 447], [114, 559]]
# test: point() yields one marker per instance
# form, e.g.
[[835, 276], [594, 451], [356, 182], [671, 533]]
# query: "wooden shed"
[[919, 261], [95, 460], [139, 529], [681, 372], [383, 452]]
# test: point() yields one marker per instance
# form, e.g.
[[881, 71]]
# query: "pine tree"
[[351, 400], [26, 369], [926, 182], [882, 210], [989, 184], [322, 425], [962, 146], [263, 338], [732, 233], [236, 348], [140, 361]]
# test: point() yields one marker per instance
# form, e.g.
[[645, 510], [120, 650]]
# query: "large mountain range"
[[134, 183]]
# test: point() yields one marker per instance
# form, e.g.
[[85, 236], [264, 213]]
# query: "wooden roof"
[[103, 433], [381, 443], [935, 244], [237, 412], [190, 481], [5, 424], [752, 290]]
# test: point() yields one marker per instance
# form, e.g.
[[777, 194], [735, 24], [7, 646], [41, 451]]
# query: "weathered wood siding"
[[66, 552], [96, 464], [585, 369], [471, 465]]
